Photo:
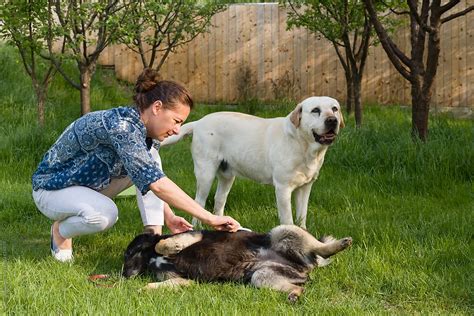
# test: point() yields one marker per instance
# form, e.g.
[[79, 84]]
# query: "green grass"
[[408, 206]]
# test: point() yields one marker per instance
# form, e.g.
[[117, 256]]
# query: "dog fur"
[[280, 259], [287, 152]]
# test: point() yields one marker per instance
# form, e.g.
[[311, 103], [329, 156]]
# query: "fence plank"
[[455, 82], [234, 46], [275, 46], [463, 66], [469, 58]]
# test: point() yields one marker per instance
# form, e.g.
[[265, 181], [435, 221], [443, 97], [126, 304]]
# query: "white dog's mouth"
[[326, 138]]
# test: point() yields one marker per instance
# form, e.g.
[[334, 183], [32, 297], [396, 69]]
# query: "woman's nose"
[[176, 129]]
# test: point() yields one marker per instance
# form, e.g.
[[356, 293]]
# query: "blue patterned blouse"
[[97, 147]]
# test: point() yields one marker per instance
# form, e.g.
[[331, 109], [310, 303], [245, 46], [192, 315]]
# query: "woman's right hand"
[[169, 192], [223, 223]]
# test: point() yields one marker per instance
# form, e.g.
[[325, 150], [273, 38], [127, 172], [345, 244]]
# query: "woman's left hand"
[[177, 224]]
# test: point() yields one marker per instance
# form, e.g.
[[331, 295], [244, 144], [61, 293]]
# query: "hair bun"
[[147, 80]]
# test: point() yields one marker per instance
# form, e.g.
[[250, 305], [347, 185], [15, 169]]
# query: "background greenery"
[[408, 206]]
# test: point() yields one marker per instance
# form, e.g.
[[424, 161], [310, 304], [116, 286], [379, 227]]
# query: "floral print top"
[[97, 147]]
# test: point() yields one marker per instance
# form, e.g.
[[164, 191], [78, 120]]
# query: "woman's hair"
[[149, 89]]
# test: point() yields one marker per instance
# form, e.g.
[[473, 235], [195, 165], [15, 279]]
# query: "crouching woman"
[[103, 153]]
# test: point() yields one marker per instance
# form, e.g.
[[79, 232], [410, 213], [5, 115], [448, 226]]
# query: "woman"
[[102, 153]]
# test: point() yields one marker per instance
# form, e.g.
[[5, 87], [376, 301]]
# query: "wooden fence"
[[250, 53]]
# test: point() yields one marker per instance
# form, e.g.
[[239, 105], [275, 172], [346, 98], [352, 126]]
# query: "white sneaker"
[[63, 255]]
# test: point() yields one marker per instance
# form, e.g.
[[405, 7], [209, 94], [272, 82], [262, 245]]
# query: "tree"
[[23, 28], [420, 67], [156, 26], [86, 28], [345, 24]]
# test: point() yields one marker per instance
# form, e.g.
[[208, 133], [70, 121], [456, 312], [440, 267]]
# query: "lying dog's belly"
[[228, 258]]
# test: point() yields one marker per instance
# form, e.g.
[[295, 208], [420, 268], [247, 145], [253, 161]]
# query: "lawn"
[[408, 207]]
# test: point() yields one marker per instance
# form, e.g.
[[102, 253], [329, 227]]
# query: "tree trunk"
[[40, 93], [356, 82], [420, 103], [350, 95], [85, 90], [41, 98]]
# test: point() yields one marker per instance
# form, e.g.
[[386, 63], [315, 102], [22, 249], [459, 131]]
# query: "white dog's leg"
[[205, 172], [283, 197], [224, 184], [301, 202]]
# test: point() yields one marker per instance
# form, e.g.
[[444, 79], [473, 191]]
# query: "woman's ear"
[[157, 106]]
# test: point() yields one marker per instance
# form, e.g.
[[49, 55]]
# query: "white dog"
[[287, 152]]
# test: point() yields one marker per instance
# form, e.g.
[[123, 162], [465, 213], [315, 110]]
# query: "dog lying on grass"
[[280, 259]]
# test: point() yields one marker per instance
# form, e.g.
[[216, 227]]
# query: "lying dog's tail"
[[186, 130]]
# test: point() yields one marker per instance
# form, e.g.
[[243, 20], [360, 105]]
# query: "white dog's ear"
[[341, 121], [295, 116]]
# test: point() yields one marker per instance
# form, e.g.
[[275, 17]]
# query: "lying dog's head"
[[139, 253], [320, 118]]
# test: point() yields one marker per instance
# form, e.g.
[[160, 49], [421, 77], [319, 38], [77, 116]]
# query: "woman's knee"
[[102, 219]]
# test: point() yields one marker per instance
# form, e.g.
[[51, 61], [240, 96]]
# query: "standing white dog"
[[287, 152]]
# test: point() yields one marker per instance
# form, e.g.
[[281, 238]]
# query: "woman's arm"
[[169, 192]]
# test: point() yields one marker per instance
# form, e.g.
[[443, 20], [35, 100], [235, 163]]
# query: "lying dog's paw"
[[174, 283], [168, 247], [292, 297], [295, 294], [151, 286], [346, 242], [322, 262]]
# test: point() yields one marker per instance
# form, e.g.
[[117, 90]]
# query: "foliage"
[[164, 25], [22, 26], [85, 28], [332, 19]]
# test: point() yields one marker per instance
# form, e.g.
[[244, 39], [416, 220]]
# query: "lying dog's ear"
[[140, 243], [138, 254], [295, 116]]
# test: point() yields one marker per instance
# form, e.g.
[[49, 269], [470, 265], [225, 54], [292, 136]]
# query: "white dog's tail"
[[186, 130]]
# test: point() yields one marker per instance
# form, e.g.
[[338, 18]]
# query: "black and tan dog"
[[280, 259]]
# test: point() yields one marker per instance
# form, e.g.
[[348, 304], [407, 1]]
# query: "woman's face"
[[161, 123]]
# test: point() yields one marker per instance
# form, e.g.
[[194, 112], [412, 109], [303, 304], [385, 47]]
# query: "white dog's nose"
[[331, 122]]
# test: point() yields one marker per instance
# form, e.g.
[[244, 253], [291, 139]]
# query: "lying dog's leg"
[[174, 244], [171, 283], [329, 246], [295, 240], [267, 278]]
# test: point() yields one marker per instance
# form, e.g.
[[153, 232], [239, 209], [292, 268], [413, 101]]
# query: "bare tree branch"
[[393, 53], [448, 6], [456, 15]]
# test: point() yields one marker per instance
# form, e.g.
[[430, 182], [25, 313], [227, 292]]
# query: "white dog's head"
[[320, 118]]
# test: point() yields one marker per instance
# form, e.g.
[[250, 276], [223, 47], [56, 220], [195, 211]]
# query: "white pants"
[[81, 210]]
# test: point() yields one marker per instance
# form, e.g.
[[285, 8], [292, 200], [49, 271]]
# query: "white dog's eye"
[[316, 110], [335, 109]]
